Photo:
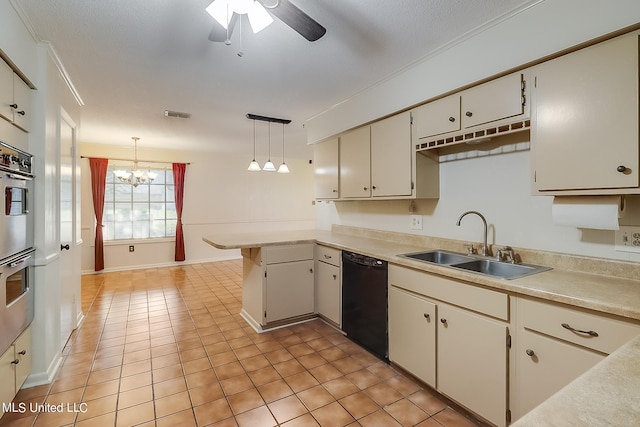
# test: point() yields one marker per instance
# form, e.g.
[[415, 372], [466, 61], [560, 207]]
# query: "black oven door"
[[16, 297]]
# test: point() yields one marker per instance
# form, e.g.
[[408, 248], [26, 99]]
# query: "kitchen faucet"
[[485, 248]]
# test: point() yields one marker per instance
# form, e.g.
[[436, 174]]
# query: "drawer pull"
[[578, 331], [426, 316], [15, 362], [22, 353], [530, 352], [327, 256]]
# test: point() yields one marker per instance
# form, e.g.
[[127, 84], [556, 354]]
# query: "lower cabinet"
[[412, 334], [278, 283], [556, 344], [450, 335], [328, 289], [15, 366]]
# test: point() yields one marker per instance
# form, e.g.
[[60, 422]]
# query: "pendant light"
[[269, 166], [254, 166], [283, 167]]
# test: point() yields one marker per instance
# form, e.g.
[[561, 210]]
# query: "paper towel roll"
[[596, 212]]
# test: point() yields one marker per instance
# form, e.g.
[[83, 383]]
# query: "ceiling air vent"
[[178, 114]]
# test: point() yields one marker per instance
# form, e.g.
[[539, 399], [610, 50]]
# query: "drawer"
[[329, 255], [600, 333], [462, 294], [287, 253]]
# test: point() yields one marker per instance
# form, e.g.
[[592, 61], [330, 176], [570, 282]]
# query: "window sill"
[[125, 242]]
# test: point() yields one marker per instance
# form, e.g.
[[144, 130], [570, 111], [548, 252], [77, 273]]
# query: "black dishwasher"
[[364, 302]]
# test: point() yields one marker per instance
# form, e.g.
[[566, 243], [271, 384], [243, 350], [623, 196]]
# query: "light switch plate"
[[416, 222], [628, 239]]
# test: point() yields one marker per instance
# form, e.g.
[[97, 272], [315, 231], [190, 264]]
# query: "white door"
[[69, 279]]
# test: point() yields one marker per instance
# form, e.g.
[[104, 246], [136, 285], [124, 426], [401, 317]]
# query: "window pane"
[[107, 214], [171, 211], [171, 227], [141, 193], [140, 229], [170, 177], [157, 211], [123, 230], [170, 194], [108, 231], [123, 192], [141, 211], [157, 229], [156, 193], [123, 212], [160, 179]]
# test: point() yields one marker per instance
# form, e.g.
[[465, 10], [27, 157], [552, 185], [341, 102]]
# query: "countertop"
[[606, 395], [605, 294]]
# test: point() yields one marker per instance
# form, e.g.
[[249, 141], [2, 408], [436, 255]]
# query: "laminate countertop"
[[606, 395]]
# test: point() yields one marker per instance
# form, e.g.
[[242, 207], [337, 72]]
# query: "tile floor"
[[167, 347]]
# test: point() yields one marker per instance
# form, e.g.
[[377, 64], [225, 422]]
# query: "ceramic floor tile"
[[166, 346]]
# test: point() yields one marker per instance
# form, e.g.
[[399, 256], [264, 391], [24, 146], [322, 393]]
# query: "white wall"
[[498, 185], [220, 196]]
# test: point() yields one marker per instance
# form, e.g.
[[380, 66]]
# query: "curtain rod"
[[139, 161]]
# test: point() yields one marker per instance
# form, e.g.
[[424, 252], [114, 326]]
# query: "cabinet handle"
[[22, 113], [373, 188], [621, 169], [65, 247], [311, 270], [22, 353], [365, 188], [530, 352], [327, 256], [14, 106], [443, 320], [15, 362], [427, 316], [335, 277], [468, 114], [578, 331], [334, 190], [452, 119]]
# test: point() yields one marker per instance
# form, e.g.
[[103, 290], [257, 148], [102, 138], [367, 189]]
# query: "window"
[[144, 212]]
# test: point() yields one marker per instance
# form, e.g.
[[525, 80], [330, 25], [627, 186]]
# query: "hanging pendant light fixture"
[[283, 167], [269, 166], [254, 166], [136, 176]]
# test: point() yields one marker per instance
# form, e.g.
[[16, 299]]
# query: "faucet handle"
[[470, 249], [506, 253]]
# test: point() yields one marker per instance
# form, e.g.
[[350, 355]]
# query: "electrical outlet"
[[131, 248], [416, 222], [628, 239]]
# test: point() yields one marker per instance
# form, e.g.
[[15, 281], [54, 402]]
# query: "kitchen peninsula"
[[603, 289]]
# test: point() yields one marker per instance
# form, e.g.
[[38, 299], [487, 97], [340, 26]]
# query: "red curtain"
[[178, 179], [98, 182]]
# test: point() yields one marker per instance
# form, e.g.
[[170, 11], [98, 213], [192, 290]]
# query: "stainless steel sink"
[[439, 257], [500, 269], [476, 264]]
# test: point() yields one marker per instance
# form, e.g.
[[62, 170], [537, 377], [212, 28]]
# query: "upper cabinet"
[[355, 163], [376, 161], [391, 162], [14, 97], [584, 137], [484, 111], [326, 155]]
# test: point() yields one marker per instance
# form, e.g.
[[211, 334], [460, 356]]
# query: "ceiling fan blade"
[[219, 33], [291, 15]]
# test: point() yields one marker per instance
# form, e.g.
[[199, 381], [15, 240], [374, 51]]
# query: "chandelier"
[[136, 176]]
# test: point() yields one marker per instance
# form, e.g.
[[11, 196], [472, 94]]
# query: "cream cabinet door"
[[437, 117], [584, 132], [21, 98], [289, 290], [328, 291], [6, 91], [412, 334], [391, 169], [355, 163], [23, 356], [545, 365], [7, 373], [326, 155], [472, 362], [495, 100]]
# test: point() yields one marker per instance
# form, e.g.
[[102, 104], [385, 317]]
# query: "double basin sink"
[[477, 264]]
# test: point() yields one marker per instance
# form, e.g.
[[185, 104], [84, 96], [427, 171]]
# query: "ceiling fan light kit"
[[222, 11]]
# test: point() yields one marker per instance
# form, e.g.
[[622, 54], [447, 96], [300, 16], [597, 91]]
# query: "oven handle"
[[20, 177], [18, 262]]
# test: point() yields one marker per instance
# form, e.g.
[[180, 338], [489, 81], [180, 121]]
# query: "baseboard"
[[40, 378], [160, 265]]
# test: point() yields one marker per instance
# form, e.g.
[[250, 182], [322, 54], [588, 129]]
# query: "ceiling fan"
[[227, 12]]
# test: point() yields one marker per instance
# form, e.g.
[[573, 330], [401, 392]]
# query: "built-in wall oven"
[[16, 244]]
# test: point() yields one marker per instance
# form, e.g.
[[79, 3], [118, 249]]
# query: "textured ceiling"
[[132, 59]]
